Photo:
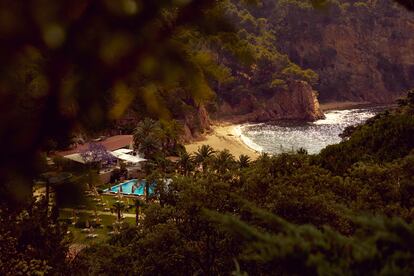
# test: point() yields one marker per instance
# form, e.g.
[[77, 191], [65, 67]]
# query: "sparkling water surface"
[[313, 136]]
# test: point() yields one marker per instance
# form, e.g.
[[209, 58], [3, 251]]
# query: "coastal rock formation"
[[196, 123], [298, 102], [362, 51]]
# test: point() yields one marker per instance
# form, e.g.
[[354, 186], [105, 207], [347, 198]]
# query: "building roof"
[[111, 143], [75, 157], [122, 151], [117, 153], [123, 155]]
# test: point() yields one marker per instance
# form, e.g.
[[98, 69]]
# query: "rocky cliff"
[[196, 123], [362, 51], [298, 102]]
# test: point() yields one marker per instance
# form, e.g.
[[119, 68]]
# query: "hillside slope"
[[362, 50]]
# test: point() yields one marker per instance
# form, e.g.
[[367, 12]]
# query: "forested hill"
[[362, 50], [346, 211], [73, 66], [346, 50], [242, 77], [278, 56]]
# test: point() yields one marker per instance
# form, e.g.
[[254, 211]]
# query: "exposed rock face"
[[299, 102], [362, 52], [196, 123], [204, 118]]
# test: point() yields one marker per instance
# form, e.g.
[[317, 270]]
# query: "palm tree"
[[53, 181], [172, 131], [46, 178], [163, 164], [149, 145], [147, 137], [145, 128], [223, 161], [147, 190], [244, 161], [149, 181], [138, 204], [185, 163], [263, 159], [302, 151], [149, 166], [119, 207], [265, 164], [203, 155]]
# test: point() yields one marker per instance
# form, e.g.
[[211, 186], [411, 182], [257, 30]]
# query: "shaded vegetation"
[[79, 66], [284, 214]]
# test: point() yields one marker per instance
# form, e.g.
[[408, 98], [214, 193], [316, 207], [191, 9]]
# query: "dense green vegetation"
[[48, 79], [76, 67], [158, 138], [268, 69], [79, 66], [239, 60], [334, 40], [46, 73], [286, 214]]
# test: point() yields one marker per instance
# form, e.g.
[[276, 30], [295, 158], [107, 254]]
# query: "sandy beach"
[[224, 137]]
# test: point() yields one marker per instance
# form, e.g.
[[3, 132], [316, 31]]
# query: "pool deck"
[[123, 195], [113, 190]]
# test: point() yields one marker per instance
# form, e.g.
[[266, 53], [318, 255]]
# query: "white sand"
[[224, 137]]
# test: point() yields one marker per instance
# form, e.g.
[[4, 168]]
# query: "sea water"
[[283, 137]]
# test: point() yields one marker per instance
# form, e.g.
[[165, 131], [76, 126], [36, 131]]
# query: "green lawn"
[[106, 220], [107, 200], [97, 203]]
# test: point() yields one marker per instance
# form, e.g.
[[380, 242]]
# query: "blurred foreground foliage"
[[77, 66], [71, 65], [32, 242]]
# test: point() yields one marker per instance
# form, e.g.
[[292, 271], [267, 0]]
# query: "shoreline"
[[224, 136], [344, 105]]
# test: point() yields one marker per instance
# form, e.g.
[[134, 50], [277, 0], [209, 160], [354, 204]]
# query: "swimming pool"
[[131, 187]]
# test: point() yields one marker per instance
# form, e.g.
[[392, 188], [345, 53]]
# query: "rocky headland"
[[298, 102]]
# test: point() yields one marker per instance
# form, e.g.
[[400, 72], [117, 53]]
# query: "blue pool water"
[[131, 187]]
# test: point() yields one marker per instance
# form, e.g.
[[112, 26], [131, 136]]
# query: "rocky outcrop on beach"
[[298, 102], [196, 123], [361, 51]]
